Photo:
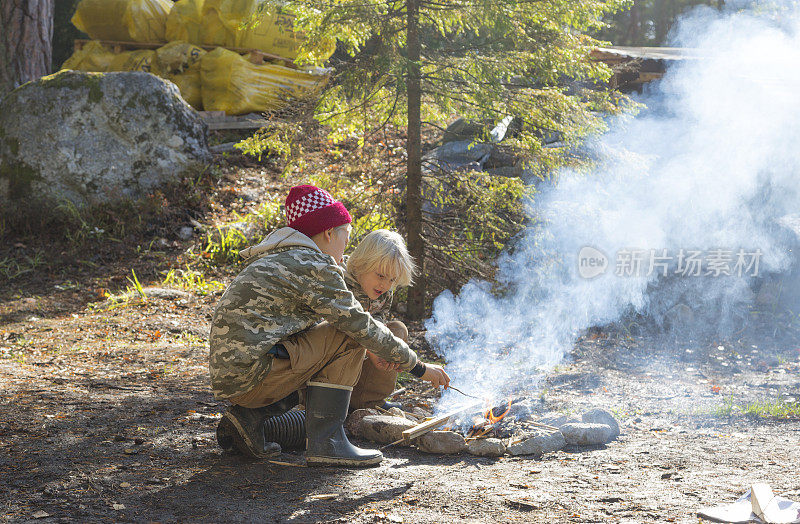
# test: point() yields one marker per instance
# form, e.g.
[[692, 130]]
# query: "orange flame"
[[494, 419]]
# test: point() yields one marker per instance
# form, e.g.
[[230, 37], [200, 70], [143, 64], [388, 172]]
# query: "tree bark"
[[416, 244], [25, 41]]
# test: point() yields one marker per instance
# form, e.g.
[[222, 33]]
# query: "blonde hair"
[[385, 252]]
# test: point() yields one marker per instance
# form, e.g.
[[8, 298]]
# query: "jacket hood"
[[281, 238]]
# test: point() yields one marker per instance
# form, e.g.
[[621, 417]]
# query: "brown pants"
[[324, 354], [319, 354], [374, 384]]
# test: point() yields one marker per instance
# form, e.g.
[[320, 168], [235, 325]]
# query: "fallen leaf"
[[40, 514]]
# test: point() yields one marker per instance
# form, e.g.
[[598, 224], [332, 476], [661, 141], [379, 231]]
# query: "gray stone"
[[601, 416], [397, 412], [504, 171], [557, 419], [464, 155], [90, 138], [421, 413], [165, 293], [354, 426], [463, 152], [443, 442], [486, 447], [461, 129], [586, 433], [543, 442], [185, 233], [384, 428]]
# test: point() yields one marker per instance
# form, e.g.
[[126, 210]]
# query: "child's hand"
[[383, 365], [436, 375]]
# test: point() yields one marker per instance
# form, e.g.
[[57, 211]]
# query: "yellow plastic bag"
[[179, 62], [185, 22], [232, 84], [257, 24], [93, 57], [123, 20], [222, 19], [140, 60]]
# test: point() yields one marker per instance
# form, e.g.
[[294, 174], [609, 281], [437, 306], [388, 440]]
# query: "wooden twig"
[[392, 444], [397, 392], [279, 463], [540, 425]]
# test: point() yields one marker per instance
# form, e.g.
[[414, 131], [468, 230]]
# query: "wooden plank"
[[430, 425], [243, 124], [220, 120]]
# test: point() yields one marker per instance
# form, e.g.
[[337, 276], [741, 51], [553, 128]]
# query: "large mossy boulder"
[[92, 138]]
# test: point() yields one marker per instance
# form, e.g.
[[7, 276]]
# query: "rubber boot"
[[242, 429], [326, 443]]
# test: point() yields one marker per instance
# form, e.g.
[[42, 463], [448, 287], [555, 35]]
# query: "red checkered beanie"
[[311, 210]]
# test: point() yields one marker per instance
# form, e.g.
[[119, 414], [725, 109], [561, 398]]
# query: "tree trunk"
[[416, 245], [633, 31], [25, 42]]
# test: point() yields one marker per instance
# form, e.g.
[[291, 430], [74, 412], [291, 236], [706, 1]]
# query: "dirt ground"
[[106, 416], [106, 413]]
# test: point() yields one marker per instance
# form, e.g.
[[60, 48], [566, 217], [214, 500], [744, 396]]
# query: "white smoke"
[[710, 168]]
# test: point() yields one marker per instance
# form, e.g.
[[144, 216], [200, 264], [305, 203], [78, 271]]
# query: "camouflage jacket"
[[288, 286], [378, 308]]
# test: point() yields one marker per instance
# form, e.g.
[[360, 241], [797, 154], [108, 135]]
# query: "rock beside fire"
[[601, 416], [586, 433], [486, 447], [557, 419], [354, 423], [384, 428], [443, 442], [541, 443]]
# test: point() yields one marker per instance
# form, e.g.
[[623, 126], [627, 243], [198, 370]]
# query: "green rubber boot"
[[326, 442], [242, 429]]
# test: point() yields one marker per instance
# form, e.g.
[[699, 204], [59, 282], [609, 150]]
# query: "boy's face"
[[375, 283], [339, 241]]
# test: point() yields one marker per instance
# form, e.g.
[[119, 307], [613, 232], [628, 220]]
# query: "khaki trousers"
[[324, 354], [374, 384], [320, 354]]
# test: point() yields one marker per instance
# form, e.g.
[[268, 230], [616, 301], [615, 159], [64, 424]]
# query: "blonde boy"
[[376, 268]]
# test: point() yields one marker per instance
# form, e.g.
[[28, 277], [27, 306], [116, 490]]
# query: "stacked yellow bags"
[[250, 24], [221, 80], [123, 20], [234, 85], [97, 58]]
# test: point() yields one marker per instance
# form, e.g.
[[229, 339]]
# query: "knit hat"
[[311, 210]]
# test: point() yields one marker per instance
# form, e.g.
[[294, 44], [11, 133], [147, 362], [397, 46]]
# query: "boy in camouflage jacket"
[[288, 322]]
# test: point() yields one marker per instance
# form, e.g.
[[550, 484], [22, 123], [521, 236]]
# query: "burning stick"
[[430, 425]]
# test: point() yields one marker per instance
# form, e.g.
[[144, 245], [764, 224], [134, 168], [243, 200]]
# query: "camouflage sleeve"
[[384, 307], [330, 298]]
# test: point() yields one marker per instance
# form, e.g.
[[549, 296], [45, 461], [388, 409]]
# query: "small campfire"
[[487, 424], [485, 428]]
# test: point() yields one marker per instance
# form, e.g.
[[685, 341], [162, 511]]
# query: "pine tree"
[[420, 62]]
